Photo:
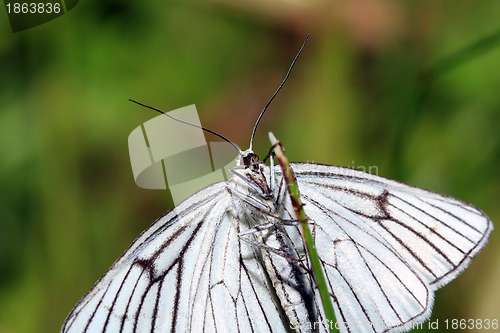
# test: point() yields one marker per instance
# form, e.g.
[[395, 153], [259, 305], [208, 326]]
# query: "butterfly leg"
[[269, 224], [247, 181], [279, 252]]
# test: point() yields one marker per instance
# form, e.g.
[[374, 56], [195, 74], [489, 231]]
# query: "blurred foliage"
[[409, 87]]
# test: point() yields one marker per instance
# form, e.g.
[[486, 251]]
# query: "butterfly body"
[[281, 247]]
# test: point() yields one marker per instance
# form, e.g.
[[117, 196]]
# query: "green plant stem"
[[317, 268]]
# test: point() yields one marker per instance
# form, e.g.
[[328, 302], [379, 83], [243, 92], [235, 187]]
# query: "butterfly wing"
[[189, 271], [386, 246]]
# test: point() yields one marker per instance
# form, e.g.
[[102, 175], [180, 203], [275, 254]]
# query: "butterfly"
[[230, 258]]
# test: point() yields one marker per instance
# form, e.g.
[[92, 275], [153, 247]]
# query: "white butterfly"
[[385, 248], [230, 258]]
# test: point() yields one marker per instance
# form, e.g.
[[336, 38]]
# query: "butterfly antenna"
[[277, 91], [188, 123]]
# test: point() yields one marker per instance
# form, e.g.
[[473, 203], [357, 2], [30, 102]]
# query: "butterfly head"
[[249, 160]]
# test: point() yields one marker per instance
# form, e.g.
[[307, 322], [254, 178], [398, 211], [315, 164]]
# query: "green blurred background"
[[411, 87]]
